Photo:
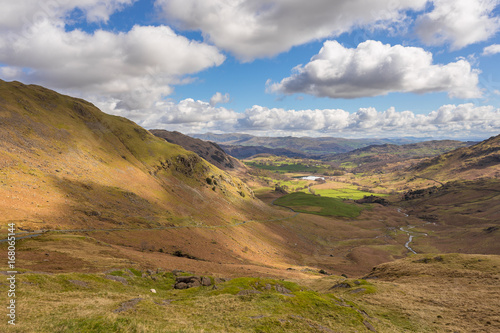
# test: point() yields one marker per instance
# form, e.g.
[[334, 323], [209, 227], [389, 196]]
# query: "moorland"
[[121, 229]]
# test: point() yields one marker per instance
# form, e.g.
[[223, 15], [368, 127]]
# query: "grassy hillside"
[[378, 156], [426, 293], [210, 151], [124, 214], [66, 164], [478, 161]]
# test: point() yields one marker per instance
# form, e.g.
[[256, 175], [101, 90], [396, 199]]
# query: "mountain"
[[210, 151], [65, 164], [306, 145], [248, 151], [481, 160], [377, 156]]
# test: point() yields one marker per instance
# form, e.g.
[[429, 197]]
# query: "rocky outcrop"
[[185, 282]]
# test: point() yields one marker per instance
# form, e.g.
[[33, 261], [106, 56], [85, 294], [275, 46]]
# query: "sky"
[[343, 68]]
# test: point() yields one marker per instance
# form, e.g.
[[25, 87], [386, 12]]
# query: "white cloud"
[[218, 98], [191, 116], [458, 22], [134, 68], [262, 118], [187, 116], [447, 121], [20, 17], [492, 49], [261, 28], [374, 69]]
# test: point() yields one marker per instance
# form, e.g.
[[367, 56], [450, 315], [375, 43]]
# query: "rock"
[[356, 291], [341, 285], [128, 305], [281, 289], [369, 326], [267, 287], [181, 285], [149, 272], [116, 278], [205, 281], [79, 283], [194, 283], [191, 282], [185, 279], [128, 272], [153, 291]]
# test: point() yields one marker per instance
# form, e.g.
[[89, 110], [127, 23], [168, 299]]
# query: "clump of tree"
[[283, 189]]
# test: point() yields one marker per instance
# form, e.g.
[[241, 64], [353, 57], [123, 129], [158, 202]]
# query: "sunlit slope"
[[479, 161], [64, 163]]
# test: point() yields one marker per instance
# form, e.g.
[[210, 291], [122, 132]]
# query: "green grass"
[[324, 206], [345, 193], [51, 303]]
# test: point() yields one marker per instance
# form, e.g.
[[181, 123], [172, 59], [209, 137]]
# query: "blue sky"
[[347, 68]]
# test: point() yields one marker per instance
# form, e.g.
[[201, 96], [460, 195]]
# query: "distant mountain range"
[[358, 151]]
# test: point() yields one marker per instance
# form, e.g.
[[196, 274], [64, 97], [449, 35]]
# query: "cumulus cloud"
[[134, 68], [447, 121], [20, 17], [194, 116], [262, 118], [186, 116], [218, 98], [261, 28], [458, 22], [492, 49], [374, 69]]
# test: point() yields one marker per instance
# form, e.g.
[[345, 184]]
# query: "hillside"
[[249, 151], [127, 232], [208, 150], [376, 156], [481, 160], [306, 145], [65, 164]]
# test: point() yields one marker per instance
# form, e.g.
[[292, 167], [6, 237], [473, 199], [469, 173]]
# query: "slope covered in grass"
[[66, 164], [325, 206]]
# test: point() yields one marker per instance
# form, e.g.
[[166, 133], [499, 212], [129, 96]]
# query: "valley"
[[110, 217]]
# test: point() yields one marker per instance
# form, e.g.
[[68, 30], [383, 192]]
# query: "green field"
[[345, 193], [324, 206]]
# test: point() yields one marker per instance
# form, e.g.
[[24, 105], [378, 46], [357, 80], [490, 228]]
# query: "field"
[[344, 193], [324, 206]]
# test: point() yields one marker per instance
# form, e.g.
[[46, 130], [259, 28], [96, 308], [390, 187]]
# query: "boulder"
[[181, 285], [205, 281], [183, 282]]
